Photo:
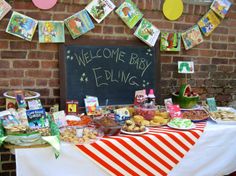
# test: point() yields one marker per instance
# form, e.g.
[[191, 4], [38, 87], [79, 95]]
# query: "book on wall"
[[22, 26], [170, 41], [79, 24], [99, 9], [192, 37], [4, 8], [221, 7], [129, 13], [208, 23], [51, 32], [147, 32]]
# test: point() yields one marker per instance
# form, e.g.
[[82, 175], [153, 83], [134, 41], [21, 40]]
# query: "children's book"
[[91, 105], [221, 7], [170, 41], [129, 13], [4, 8], [20, 99], [99, 9], [208, 23], [192, 37], [72, 107], [147, 32], [79, 24], [22, 26], [51, 32], [35, 104], [185, 67], [37, 118], [60, 118]]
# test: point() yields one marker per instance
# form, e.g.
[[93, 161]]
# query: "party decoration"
[[51, 32], [173, 9], [99, 9], [221, 7], [44, 4], [22, 26], [79, 24], [129, 13], [185, 67], [147, 32], [208, 23], [4, 8], [170, 41], [192, 37]]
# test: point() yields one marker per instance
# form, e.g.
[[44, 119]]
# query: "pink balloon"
[[44, 4]]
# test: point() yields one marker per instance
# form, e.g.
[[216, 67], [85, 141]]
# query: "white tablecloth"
[[214, 154]]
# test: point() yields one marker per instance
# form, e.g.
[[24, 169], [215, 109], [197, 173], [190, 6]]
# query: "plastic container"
[[147, 113], [11, 99]]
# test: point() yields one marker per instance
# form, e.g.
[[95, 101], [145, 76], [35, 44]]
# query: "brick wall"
[[30, 65]]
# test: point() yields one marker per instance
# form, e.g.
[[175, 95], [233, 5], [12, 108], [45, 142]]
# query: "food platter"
[[197, 107], [179, 128], [199, 115], [135, 133], [223, 120]]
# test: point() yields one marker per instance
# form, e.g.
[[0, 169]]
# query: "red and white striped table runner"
[[153, 154]]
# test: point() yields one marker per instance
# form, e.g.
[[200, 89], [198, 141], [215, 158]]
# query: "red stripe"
[[114, 159], [164, 152], [139, 155], [150, 152], [123, 154], [99, 160]]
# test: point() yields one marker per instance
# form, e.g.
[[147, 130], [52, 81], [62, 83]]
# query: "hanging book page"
[[147, 32], [185, 67], [79, 24], [51, 32], [4, 8], [208, 23], [170, 41], [22, 26], [221, 7], [129, 13], [192, 37], [99, 9]]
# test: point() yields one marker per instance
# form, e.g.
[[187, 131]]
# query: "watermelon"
[[185, 98]]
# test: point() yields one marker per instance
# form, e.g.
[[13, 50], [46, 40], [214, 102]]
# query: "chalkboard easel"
[[107, 69]]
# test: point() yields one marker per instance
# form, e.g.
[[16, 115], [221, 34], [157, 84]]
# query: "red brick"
[[155, 15], [28, 83], [54, 83], [225, 54], [221, 30], [41, 82], [166, 59], [225, 68], [97, 29], [15, 82], [202, 60], [39, 73], [60, 17], [11, 73], [210, 53], [56, 92], [3, 44], [9, 166], [219, 46], [219, 61], [163, 25], [13, 54], [48, 47], [182, 26], [107, 30], [4, 83], [191, 18], [119, 30], [231, 38], [74, 8], [149, 5], [23, 45], [4, 64], [39, 16], [43, 92], [49, 64], [113, 21], [58, 8], [22, 5], [232, 47], [26, 64], [56, 74], [40, 55]]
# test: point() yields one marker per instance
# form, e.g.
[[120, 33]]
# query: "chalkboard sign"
[[111, 70]]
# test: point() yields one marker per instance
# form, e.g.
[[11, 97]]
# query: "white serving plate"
[[178, 128], [227, 122], [135, 133]]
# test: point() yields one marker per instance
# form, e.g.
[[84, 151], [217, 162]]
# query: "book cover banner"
[[185, 67], [208, 23], [170, 41], [221, 7], [22, 26], [79, 24], [129, 13], [51, 32], [192, 37], [4, 8], [147, 32], [37, 118], [99, 9]]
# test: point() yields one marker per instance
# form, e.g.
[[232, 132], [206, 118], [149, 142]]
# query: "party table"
[[213, 154]]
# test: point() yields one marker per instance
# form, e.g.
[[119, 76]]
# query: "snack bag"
[[140, 97], [121, 115]]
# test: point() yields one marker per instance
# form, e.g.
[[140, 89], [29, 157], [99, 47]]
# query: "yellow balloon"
[[173, 9]]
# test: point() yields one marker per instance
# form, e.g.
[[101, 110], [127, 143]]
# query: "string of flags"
[[80, 23]]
